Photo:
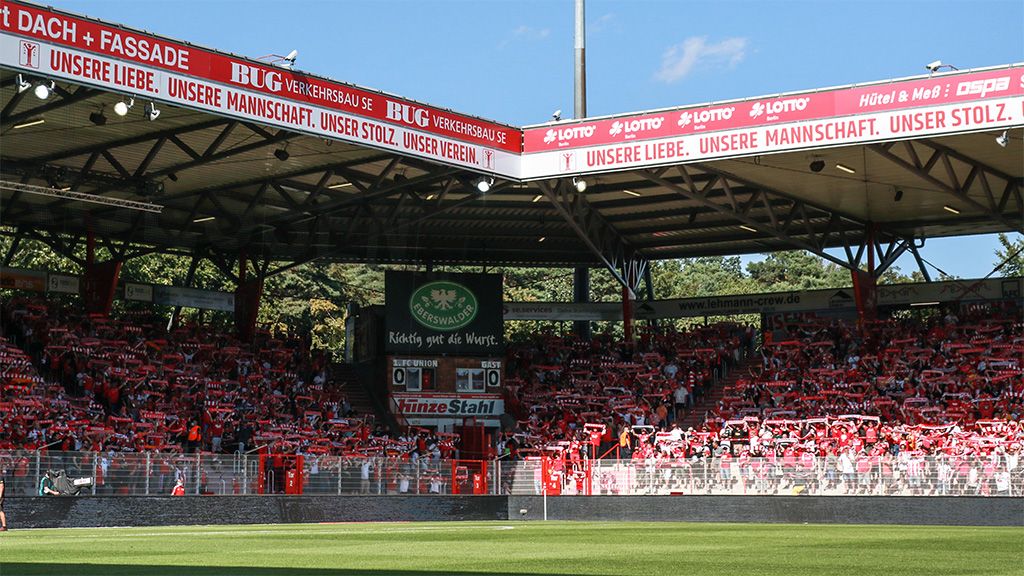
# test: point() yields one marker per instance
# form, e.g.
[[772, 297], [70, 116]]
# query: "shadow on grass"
[[50, 569]]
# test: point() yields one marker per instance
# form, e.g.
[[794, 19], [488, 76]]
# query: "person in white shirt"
[[364, 476]]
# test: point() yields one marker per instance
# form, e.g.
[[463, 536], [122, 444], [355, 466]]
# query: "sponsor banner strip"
[[894, 96], [557, 311], [183, 59], [448, 405], [875, 127], [193, 298], [22, 279], [990, 289], [62, 283], [166, 86]]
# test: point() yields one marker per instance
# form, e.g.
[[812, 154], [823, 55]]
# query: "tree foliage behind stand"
[[314, 297]]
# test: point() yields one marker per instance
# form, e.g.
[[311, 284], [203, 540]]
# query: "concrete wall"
[[82, 511], [960, 511], [165, 510]]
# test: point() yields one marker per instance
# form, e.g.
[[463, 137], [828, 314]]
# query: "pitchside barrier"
[[155, 474]]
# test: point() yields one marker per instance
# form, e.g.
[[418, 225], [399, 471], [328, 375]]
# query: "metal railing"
[[997, 475], [137, 474], [155, 474]]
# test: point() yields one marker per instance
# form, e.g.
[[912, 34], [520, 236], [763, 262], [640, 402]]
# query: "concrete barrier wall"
[[86, 511], [82, 511], [959, 511]]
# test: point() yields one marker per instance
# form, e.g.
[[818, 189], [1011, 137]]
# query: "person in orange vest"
[[625, 444], [193, 437], [179, 488]]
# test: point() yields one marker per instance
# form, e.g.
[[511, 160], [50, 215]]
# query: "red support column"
[[865, 289], [99, 282], [247, 307]]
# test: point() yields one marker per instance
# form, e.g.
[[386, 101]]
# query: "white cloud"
[[603, 23], [681, 59], [530, 33], [526, 33]]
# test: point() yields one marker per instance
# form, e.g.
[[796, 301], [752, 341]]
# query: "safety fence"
[[137, 474], [120, 473], [995, 475]]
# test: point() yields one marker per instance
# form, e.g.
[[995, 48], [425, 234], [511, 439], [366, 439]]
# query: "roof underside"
[[347, 203]]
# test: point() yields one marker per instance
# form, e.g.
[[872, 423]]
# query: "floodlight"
[[484, 184], [817, 165], [23, 84], [1003, 139], [122, 107], [43, 89], [580, 184], [151, 112], [281, 154]]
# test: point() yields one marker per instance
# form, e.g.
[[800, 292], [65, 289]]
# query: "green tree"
[[1011, 255], [796, 270]]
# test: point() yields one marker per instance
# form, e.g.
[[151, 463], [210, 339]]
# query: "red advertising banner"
[[896, 95], [19, 279], [46, 43], [54, 43], [448, 405]]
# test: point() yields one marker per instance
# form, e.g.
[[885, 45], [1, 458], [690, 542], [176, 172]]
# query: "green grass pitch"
[[520, 548]]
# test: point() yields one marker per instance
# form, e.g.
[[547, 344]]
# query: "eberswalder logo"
[[443, 305]]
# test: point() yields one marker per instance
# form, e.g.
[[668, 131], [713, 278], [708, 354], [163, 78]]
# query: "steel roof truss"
[[955, 186]]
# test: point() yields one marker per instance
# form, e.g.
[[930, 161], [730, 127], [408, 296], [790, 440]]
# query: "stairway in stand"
[[344, 376], [712, 396]]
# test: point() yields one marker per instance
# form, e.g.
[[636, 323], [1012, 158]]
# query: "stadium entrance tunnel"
[[91, 511]]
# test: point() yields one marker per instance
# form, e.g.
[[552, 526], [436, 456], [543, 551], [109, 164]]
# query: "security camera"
[[932, 67], [557, 115], [291, 56]]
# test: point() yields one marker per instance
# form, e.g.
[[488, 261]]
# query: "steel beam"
[[620, 258], [980, 180]]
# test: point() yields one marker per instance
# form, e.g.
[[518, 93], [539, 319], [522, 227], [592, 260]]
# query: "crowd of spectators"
[[936, 397], [562, 389], [73, 382]]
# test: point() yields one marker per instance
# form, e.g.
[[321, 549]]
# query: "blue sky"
[[512, 60]]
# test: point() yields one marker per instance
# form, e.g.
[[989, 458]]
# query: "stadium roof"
[[288, 189]]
